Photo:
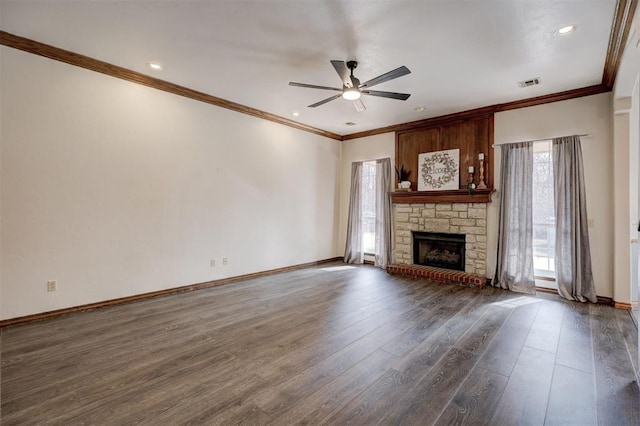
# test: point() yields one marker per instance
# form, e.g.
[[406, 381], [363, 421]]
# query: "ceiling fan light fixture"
[[351, 87], [351, 94]]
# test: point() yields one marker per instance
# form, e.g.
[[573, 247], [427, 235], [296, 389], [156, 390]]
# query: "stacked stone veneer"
[[452, 218]]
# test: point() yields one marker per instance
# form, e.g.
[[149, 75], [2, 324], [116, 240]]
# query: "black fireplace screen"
[[439, 250]]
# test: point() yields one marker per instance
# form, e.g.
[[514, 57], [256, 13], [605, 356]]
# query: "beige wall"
[[626, 165], [115, 189], [590, 114], [363, 149]]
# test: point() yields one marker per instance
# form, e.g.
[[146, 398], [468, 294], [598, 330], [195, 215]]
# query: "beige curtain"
[[384, 237], [514, 269], [572, 252], [353, 251]]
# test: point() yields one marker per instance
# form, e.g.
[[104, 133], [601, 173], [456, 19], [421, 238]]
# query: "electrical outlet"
[[225, 261], [52, 285], [213, 262]]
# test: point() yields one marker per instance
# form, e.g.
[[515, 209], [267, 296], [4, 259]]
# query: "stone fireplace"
[[440, 202], [446, 219]]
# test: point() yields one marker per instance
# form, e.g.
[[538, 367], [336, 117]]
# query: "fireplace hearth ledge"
[[437, 274]]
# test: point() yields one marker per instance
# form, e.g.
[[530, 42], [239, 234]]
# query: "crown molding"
[[620, 27], [78, 60], [479, 112]]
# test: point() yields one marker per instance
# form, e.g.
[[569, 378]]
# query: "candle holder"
[[481, 184]]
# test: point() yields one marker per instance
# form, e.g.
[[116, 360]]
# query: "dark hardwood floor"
[[327, 345]]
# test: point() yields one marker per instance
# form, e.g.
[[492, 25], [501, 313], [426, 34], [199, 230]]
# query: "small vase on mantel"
[[403, 174]]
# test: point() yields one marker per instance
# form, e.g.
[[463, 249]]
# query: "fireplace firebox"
[[439, 250]]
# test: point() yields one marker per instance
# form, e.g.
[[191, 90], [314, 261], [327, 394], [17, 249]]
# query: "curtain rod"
[[539, 140]]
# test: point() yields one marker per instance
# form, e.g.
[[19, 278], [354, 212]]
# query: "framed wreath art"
[[439, 170]]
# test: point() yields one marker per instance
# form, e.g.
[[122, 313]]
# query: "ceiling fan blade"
[[324, 101], [398, 72], [359, 106], [392, 95], [343, 72], [313, 86]]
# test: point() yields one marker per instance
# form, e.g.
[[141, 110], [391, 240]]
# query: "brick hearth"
[[437, 274]]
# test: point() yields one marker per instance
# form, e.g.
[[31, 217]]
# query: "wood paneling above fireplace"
[[471, 136]]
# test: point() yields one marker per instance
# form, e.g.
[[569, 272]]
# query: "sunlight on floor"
[[518, 301], [337, 268]]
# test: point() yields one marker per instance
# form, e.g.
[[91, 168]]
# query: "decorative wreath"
[[429, 163]]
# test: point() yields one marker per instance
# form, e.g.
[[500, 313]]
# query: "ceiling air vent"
[[531, 82]]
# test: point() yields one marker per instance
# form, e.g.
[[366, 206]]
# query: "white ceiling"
[[462, 54]]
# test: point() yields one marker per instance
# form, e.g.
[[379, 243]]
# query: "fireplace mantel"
[[455, 196]]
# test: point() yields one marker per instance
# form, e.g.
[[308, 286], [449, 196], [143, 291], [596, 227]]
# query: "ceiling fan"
[[352, 88]]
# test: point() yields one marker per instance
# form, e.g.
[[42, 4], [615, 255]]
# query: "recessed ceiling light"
[[566, 30], [419, 108], [154, 66], [295, 113]]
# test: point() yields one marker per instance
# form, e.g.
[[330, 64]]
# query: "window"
[[369, 207], [544, 220]]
